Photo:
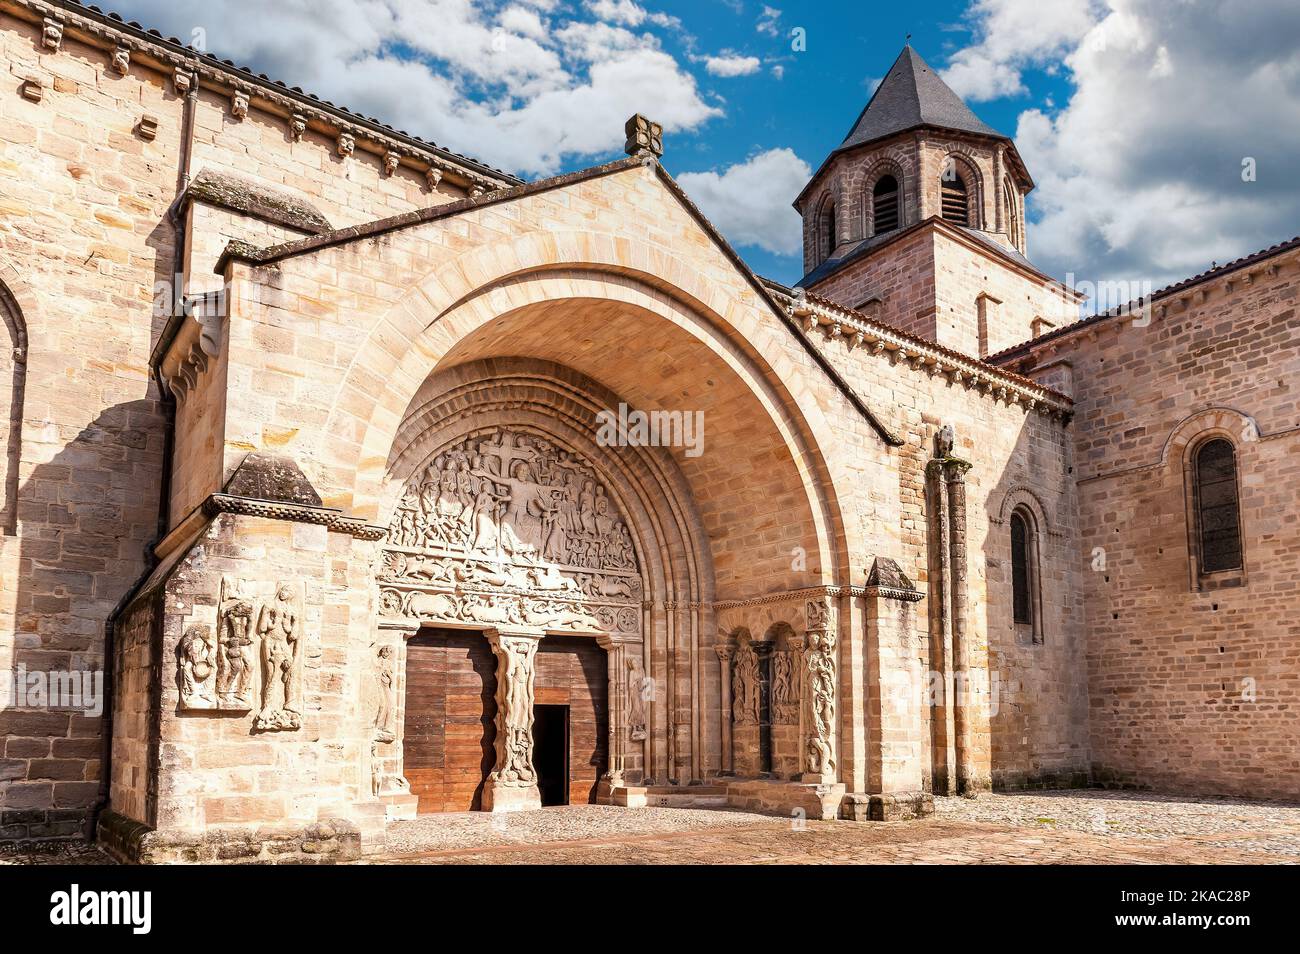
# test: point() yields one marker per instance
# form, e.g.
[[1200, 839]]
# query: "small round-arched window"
[[1218, 519], [1022, 601]]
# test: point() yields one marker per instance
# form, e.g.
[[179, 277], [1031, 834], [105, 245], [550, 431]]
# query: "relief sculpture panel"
[[508, 528]]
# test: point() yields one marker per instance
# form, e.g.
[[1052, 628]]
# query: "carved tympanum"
[[508, 528]]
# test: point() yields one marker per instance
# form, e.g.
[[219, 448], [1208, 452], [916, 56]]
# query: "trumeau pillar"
[[512, 786], [820, 689]]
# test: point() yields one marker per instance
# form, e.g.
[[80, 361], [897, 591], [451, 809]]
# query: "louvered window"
[[953, 200], [884, 204]]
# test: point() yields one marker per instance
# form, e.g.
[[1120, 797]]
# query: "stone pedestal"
[[512, 786]]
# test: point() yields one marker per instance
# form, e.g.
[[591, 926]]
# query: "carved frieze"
[[507, 528]]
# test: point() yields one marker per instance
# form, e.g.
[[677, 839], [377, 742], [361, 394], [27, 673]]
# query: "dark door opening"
[[551, 753], [765, 713]]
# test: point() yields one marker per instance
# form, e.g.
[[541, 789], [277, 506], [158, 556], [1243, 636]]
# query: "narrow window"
[[1022, 603], [954, 203], [1013, 220], [884, 204], [1217, 520], [828, 229]]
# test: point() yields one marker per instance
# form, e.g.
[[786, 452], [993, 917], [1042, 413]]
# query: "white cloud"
[[1011, 35], [528, 86], [750, 202], [732, 64], [1139, 173], [769, 21]]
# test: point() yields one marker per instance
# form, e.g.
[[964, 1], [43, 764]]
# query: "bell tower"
[[918, 217]]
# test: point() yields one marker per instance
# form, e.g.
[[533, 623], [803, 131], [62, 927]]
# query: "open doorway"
[[551, 753]]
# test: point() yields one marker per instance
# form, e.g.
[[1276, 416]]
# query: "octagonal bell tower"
[[919, 216]]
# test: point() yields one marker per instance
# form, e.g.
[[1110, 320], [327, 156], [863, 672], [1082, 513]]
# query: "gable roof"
[[258, 257], [912, 95]]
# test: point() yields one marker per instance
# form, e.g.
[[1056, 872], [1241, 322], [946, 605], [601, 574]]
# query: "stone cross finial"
[[644, 138]]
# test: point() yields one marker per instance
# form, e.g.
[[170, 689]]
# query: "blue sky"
[[1135, 117]]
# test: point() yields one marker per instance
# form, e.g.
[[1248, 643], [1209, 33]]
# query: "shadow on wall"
[[1034, 614], [87, 515]]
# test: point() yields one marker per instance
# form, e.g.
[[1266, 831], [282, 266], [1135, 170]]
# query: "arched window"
[[1026, 598], [1012, 214], [954, 202], [13, 377], [884, 205], [829, 237], [1218, 521], [1022, 603]]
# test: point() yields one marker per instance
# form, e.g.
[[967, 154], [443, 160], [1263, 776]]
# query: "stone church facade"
[[364, 522]]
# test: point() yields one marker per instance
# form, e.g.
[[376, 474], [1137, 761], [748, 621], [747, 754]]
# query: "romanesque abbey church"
[[303, 453]]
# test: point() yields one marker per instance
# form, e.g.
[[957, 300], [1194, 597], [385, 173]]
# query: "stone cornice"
[[328, 517], [856, 331], [832, 590], [126, 44]]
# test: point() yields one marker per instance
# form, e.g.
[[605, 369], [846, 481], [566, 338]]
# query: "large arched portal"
[[522, 503]]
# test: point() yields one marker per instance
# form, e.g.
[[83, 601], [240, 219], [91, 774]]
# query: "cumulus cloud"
[[1140, 172], [528, 85], [749, 202], [732, 64], [1011, 35]]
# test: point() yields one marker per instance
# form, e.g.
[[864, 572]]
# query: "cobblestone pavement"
[[1074, 827], [1040, 828]]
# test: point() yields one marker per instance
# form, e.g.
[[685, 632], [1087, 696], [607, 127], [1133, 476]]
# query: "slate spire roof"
[[913, 95]]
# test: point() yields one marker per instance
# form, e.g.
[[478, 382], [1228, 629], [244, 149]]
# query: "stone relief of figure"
[[785, 688], [515, 704], [821, 696], [234, 647], [385, 678], [744, 682], [639, 692], [279, 625], [194, 654]]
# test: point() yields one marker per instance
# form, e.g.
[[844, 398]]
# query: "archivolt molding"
[[1021, 495], [446, 307]]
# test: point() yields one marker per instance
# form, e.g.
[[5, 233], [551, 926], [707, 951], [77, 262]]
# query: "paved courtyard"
[[1038, 828]]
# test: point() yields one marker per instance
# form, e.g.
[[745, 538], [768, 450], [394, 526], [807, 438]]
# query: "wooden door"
[[450, 718], [572, 671]]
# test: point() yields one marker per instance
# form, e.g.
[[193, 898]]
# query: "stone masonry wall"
[[85, 191], [1192, 690]]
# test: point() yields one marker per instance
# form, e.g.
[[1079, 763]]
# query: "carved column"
[[820, 693], [512, 786], [964, 700], [724, 663], [628, 698], [943, 773]]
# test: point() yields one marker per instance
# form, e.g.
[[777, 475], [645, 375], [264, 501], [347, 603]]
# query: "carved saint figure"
[[385, 680], [638, 694], [785, 689], [280, 626], [745, 682], [234, 647], [194, 656]]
